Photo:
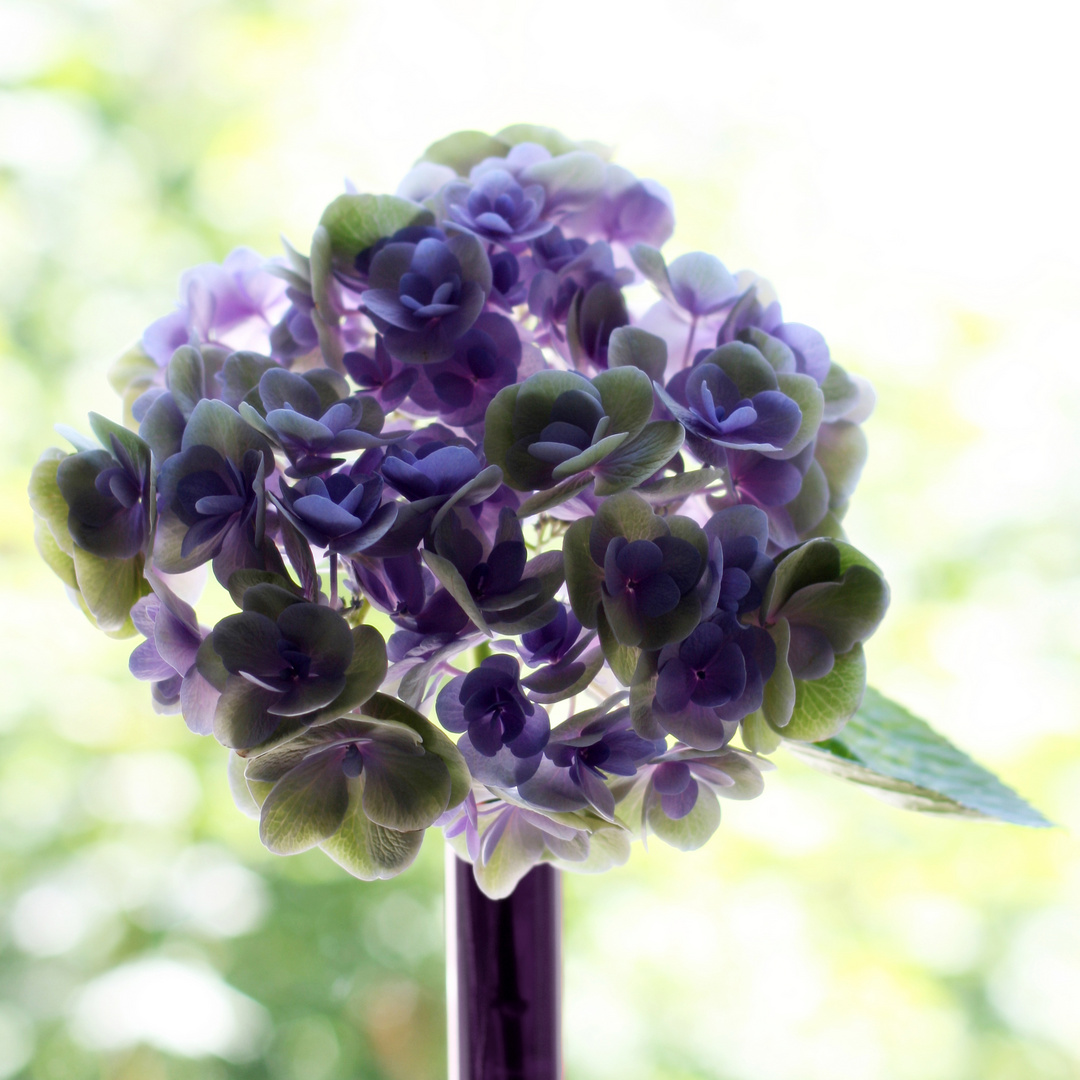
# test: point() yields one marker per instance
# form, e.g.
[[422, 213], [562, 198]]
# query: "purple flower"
[[290, 666], [295, 335], [628, 211], [712, 679], [167, 658], [580, 754], [740, 535], [497, 208], [484, 361], [717, 415], [107, 495], [464, 818], [646, 579], [552, 641], [504, 733], [684, 780], [507, 288], [809, 349], [386, 379], [212, 508], [771, 485], [312, 417], [343, 513], [435, 470], [234, 305], [411, 234], [425, 296]]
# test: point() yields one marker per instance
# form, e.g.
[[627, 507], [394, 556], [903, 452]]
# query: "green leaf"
[[627, 396], [845, 611], [499, 426], [464, 149], [455, 585], [355, 222], [690, 832], [779, 696], [241, 793], [638, 458], [560, 493], [109, 587], [757, 736], [369, 851], [622, 658], [363, 676], [519, 849], [404, 789], [583, 576], [554, 141], [306, 806], [630, 346], [103, 428], [670, 488], [609, 846], [57, 560], [384, 707], [886, 748], [215, 424], [46, 500], [808, 564], [651, 263], [823, 706], [811, 505], [746, 367], [841, 452], [187, 378], [840, 392], [590, 456], [807, 395], [626, 514]]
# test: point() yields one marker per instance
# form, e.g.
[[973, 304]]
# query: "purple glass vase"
[[504, 977]]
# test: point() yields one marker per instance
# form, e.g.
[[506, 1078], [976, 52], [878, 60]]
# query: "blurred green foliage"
[[821, 933]]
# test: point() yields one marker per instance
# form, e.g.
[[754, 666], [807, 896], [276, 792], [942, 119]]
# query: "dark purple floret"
[[597, 311], [809, 347], [579, 758], [167, 658], [678, 790], [552, 641], [504, 732], [434, 470], [216, 506], [570, 428], [386, 379], [507, 288], [717, 413], [295, 335], [556, 252], [107, 497], [285, 667], [485, 360], [422, 299], [497, 208], [343, 513], [411, 234], [651, 576], [310, 430], [712, 679]]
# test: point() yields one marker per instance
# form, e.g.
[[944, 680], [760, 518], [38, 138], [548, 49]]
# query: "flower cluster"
[[457, 481]]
